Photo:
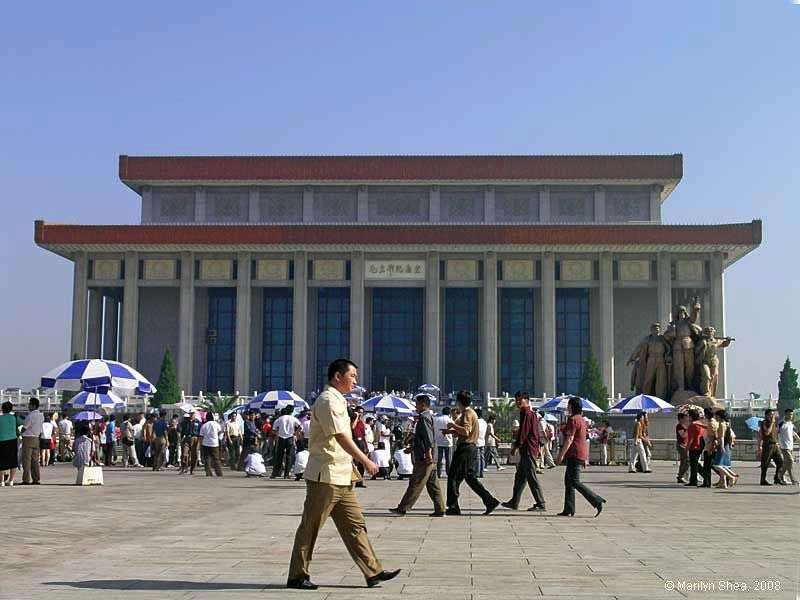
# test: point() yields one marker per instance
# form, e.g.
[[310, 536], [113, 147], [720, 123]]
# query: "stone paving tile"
[[160, 536]]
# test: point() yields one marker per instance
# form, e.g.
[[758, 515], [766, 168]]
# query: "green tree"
[[218, 404], [504, 409], [167, 391], [788, 390], [591, 385]]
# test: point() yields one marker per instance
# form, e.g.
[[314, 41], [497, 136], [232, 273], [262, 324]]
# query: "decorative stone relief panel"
[[461, 270], [515, 205], [216, 269], [689, 270], [280, 205], [518, 270], [627, 205], [401, 205], [173, 205], [461, 205], [226, 205], [634, 270], [576, 270], [268, 269], [160, 269], [572, 206], [329, 270], [104, 268], [335, 206]]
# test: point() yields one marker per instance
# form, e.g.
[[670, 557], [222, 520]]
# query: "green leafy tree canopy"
[[167, 391], [591, 385], [788, 390], [218, 404]]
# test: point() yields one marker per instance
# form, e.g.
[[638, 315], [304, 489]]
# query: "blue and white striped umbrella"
[[95, 399], [641, 403], [429, 388], [389, 404], [95, 372], [277, 400], [88, 415], [560, 403]]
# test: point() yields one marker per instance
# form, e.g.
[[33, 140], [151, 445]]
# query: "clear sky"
[[83, 82]]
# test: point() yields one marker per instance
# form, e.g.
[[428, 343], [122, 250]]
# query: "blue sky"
[[85, 82]]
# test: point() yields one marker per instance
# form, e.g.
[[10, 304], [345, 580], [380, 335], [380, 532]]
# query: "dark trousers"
[[462, 468], [694, 465], [158, 449], [284, 457], [526, 473], [683, 457], [173, 454], [572, 482], [110, 453], [443, 453], [706, 472], [234, 451], [770, 453], [211, 460]]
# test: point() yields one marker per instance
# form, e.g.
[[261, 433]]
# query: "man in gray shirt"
[[423, 450]]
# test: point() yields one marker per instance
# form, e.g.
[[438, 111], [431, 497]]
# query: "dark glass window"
[[516, 340], [572, 337], [461, 339], [276, 349], [333, 329], [221, 339], [397, 338]]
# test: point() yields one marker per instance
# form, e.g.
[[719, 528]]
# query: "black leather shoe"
[[301, 584], [491, 506], [509, 505], [436, 514], [397, 511], [781, 482], [565, 514], [382, 576], [599, 508], [537, 508], [765, 483], [453, 512]]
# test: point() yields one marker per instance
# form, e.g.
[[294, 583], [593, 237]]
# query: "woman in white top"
[[209, 435], [46, 440]]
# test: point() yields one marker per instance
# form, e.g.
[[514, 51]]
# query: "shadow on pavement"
[[175, 585]]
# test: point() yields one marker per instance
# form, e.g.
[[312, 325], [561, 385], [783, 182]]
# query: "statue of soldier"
[[708, 362], [651, 358], [682, 334]]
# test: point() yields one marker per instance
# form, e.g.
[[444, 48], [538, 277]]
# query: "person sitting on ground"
[[83, 450], [254, 464], [380, 456], [300, 462], [403, 463]]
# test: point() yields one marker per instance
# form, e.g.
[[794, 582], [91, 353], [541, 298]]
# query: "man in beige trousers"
[[329, 476]]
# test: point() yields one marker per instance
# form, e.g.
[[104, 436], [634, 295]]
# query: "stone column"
[[241, 382], [185, 359], [716, 315], [664, 289], [362, 209], [300, 322], [110, 328], [95, 328], [544, 205], [547, 379], [130, 309], [606, 311], [357, 308], [431, 358], [79, 300], [488, 376], [600, 205]]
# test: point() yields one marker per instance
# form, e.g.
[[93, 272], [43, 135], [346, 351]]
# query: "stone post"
[[130, 309], [431, 358], [606, 345], [243, 322], [548, 377], [300, 323], [186, 323]]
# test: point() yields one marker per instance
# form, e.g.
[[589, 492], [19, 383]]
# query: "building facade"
[[488, 273]]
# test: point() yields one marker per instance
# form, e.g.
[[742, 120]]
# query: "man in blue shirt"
[[160, 429], [110, 441]]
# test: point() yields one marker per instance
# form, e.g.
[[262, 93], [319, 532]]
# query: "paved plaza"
[[158, 535]]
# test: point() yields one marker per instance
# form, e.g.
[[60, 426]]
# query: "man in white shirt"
[[32, 429], [210, 433], [384, 433], [64, 437], [284, 428], [787, 435], [233, 439], [380, 456], [480, 444], [444, 441], [254, 464], [405, 465]]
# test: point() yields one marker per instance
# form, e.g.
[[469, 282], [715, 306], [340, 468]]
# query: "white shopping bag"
[[90, 476]]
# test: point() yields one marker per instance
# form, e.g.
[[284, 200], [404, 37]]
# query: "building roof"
[[136, 171], [736, 239]]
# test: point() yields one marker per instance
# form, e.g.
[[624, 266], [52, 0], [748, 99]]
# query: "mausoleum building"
[[488, 273]]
